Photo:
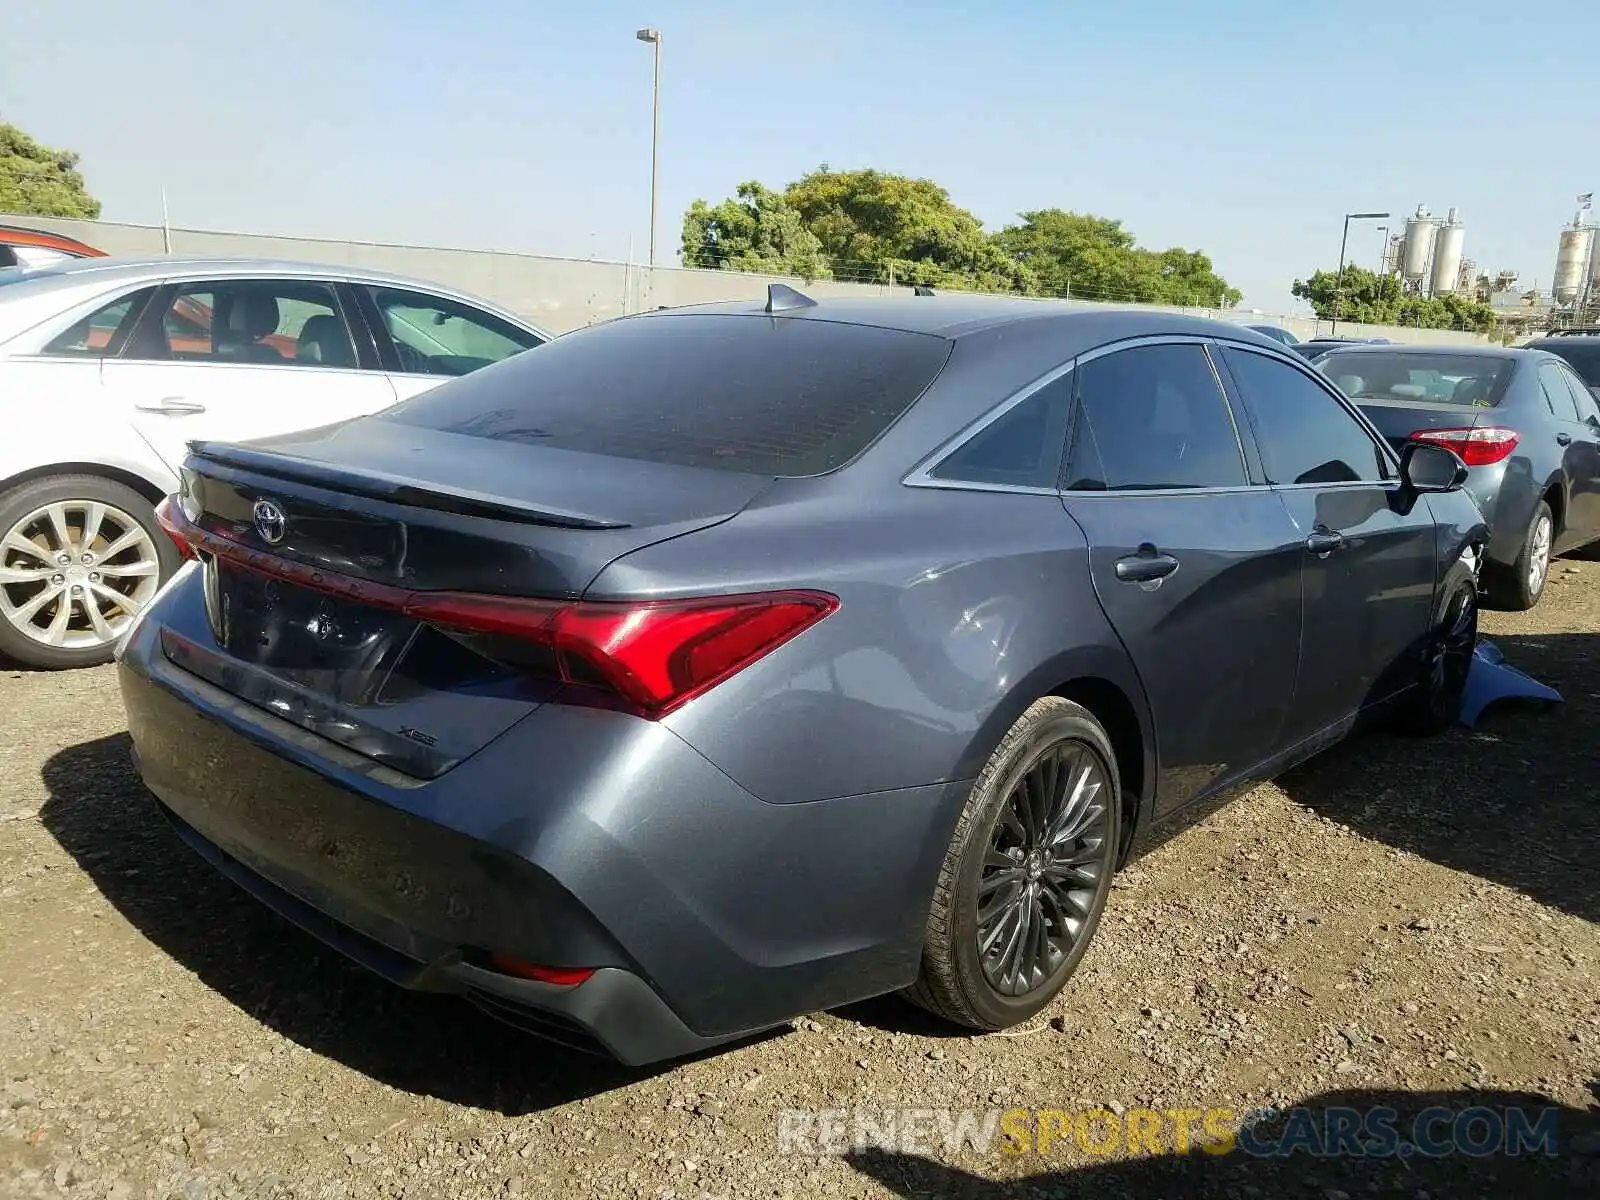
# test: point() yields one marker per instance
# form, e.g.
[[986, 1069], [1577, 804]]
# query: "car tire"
[[1519, 587], [980, 967], [35, 584], [1433, 704]]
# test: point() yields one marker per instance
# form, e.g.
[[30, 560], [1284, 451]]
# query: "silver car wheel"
[[74, 574], [1539, 559]]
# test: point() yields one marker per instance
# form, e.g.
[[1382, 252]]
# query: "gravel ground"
[[1403, 923]]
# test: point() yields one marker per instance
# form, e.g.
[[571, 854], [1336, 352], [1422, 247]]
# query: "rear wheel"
[[1026, 875], [80, 555], [1520, 587]]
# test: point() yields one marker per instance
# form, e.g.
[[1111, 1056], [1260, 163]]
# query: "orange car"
[[24, 247]]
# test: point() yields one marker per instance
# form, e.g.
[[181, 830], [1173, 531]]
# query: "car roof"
[[26, 235], [114, 271], [960, 315]]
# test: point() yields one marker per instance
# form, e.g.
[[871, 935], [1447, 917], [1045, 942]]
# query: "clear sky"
[[1242, 129]]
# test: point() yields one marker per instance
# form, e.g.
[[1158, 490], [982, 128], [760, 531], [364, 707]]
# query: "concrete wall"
[[561, 294]]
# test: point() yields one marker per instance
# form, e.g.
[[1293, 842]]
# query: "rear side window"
[[1584, 358], [1305, 434], [1153, 417], [96, 335], [769, 396], [1556, 394], [1021, 447]]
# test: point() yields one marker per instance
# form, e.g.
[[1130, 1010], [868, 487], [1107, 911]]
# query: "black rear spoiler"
[[376, 485]]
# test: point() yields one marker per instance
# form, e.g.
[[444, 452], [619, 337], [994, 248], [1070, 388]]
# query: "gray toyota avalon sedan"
[[722, 664]]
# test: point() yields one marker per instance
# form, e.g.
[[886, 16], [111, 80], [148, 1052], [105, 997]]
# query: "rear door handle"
[[1324, 542], [1563, 439], [172, 406], [1146, 567]]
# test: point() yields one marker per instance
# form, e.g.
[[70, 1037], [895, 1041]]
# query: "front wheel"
[[1027, 873], [80, 555], [1434, 703]]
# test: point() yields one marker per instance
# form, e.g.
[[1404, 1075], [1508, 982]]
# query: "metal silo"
[[1418, 245], [1572, 256], [1447, 255]]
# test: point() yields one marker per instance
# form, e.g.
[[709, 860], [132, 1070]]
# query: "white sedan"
[[108, 368]]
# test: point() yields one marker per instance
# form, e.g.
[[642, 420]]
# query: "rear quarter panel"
[[957, 610]]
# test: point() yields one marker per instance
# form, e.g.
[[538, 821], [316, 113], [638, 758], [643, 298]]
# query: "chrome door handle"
[[172, 406]]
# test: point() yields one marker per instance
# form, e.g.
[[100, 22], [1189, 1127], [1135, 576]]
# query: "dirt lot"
[[1400, 922]]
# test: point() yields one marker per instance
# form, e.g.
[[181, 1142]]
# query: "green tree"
[[756, 230], [1078, 254], [893, 228], [1373, 299], [34, 179]]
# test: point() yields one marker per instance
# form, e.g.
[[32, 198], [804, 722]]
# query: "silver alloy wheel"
[[1539, 559], [73, 574]]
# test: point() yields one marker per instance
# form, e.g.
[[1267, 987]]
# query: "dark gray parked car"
[[1524, 423], [719, 665]]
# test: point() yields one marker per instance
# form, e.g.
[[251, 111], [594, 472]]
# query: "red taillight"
[[1477, 447], [172, 524], [560, 976], [650, 655], [655, 654]]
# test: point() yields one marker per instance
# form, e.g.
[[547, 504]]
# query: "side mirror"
[[1428, 468]]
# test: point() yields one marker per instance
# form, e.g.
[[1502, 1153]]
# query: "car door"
[[1579, 423], [233, 359], [425, 339], [1367, 552], [1196, 565]]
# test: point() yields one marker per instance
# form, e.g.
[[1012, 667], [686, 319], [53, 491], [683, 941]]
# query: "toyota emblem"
[[271, 523]]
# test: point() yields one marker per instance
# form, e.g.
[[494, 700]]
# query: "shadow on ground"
[[1511, 801], [425, 1044], [1569, 1172]]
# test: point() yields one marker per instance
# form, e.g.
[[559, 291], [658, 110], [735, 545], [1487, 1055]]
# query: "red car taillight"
[[654, 654], [1476, 447], [172, 524], [560, 976], [651, 655]]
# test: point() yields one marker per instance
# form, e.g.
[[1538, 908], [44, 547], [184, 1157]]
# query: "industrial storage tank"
[[1418, 244], [1572, 256], [1447, 256]]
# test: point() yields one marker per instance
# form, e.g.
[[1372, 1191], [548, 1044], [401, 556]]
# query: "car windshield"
[[1582, 357], [1472, 381]]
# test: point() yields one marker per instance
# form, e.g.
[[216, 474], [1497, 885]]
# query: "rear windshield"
[[1583, 357], [1472, 381], [769, 396]]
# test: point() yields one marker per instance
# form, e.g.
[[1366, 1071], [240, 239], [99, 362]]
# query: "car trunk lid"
[[316, 547]]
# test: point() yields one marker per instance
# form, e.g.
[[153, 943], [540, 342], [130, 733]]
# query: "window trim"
[[1385, 450], [922, 474]]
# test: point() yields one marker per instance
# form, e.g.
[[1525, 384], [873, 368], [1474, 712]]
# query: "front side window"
[[257, 321], [1153, 417], [97, 334], [434, 335], [1305, 434], [1021, 448]]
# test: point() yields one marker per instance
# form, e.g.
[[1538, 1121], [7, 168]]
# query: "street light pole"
[[1338, 289], [653, 36]]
